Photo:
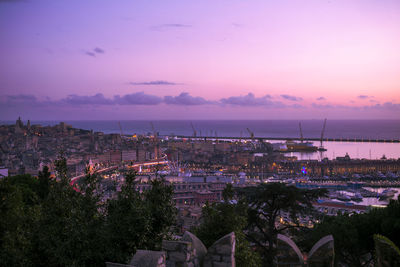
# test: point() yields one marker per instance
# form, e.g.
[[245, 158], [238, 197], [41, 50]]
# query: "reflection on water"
[[355, 151], [368, 201], [376, 201]]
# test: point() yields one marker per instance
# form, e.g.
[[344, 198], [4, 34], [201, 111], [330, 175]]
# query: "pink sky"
[[346, 53]]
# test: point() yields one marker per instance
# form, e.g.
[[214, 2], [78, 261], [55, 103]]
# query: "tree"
[[162, 212], [61, 168], [386, 252], [127, 222], [267, 202], [353, 233], [70, 229], [223, 218], [57, 223], [44, 183], [136, 220], [19, 213]]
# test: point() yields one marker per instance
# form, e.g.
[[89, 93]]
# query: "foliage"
[[266, 203], [50, 222], [353, 233], [386, 252], [44, 183], [139, 221], [127, 224], [223, 218], [70, 230], [18, 215], [162, 212]]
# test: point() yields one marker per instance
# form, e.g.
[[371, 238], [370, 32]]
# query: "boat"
[[355, 185], [357, 197], [300, 147], [293, 146], [343, 197], [387, 194]]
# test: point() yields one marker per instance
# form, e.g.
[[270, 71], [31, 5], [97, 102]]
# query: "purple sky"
[[200, 59]]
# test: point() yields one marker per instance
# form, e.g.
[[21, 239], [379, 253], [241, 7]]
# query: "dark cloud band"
[[183, 99]]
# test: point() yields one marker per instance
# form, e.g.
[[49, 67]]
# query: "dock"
[[354, 140]]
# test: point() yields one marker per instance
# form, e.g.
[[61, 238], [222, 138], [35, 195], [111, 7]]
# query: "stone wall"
[[189, 251], [199, 250], [112, 264], [222, 252], [148, 258], [321, 254], [179, 253]]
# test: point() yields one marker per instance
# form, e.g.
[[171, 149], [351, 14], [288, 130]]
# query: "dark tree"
[[162, 211], [19, 213], [61, 168], [223, 218], [139, 220], [70, 230], [353, 233], [267, 202], [127, 222], [44, 183]]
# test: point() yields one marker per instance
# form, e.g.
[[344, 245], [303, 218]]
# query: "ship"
[[357, 197], [387, 194], [343, 197], [293, 146]]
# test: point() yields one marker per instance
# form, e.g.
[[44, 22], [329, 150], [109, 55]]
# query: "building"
[[3, 172], [202, 197]]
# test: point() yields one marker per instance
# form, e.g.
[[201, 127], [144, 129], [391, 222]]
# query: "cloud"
[[364, 96], [175, 25], [185, 99], [21, 97], [388, 106], [250, 100], [90, 53], [95, 51], [16, 100], [159, 82], [237, 25], [385, 106], [98, 50], [321, 98], [319, 106], [13, 1], [167, 26], [76, 100], [291, 98], [139, 98], [21, 101]]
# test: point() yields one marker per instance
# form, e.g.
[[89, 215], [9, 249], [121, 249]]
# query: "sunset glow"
[[234, 59]]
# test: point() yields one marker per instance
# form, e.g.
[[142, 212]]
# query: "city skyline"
[[209, 60]]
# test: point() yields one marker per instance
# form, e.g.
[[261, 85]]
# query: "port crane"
[[252, 137], [194, 130], [301, 133], [155, 141], [251, 133], [155, 135], [322, 134], [123, 138], [120, 129]]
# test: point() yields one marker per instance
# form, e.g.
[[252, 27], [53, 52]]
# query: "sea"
[[339, 129]]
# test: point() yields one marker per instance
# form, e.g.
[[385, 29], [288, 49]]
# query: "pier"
[[355, 140]]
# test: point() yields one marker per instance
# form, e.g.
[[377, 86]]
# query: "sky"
[[209, 59]]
